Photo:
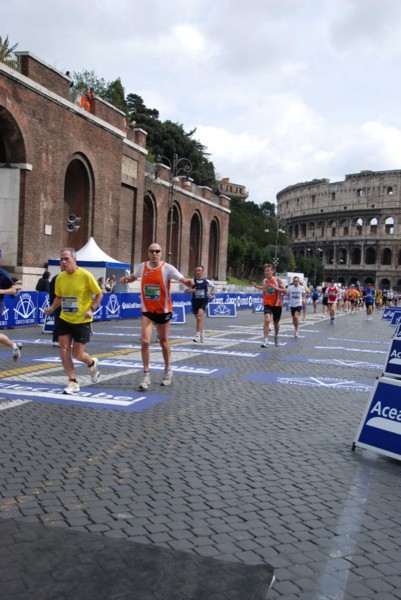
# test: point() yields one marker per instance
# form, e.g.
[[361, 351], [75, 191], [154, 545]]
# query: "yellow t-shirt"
[[76, 291]]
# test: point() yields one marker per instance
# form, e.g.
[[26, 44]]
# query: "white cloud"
[[280, 91]]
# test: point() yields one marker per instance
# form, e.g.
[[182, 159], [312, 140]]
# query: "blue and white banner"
[[393, 365], [178, 314], [380, 427], [220, 309], [395, 319], [388, 312], [27, 308]]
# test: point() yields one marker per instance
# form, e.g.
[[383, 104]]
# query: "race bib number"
[[270, 291], [200, 294], [69, 304], [152, 292]]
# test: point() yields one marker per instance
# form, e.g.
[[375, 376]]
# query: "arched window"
[[303, 229], [373, 225], [389, 225], [296, 232], [214, 245], [78, 190], [387, 256], [332, 226], [311, 229], [174, 236], [195, 243], [148, 224], [345, 227], [356, 256], [342, 256], [358, 226], [370, 256], [384, 284]]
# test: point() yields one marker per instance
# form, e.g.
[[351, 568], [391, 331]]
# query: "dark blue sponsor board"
[[393, 365], [88, 397], [27, 308], [389, 311], [395, 319], [380, 427]]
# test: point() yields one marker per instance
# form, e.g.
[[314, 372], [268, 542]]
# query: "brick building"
[[57, 159], [352, 226]]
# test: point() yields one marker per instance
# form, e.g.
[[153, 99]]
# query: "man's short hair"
[[72, 252]]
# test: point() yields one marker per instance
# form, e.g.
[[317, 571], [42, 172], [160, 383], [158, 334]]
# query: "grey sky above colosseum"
[[281, 91]]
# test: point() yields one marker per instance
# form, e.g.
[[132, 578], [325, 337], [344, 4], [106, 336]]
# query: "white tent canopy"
[[100, 264]]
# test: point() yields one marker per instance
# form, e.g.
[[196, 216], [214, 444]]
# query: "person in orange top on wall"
[[273, 290], [156, 306]]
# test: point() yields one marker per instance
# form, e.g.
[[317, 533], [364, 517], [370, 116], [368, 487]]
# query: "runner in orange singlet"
[[273, 290], [155, 276]]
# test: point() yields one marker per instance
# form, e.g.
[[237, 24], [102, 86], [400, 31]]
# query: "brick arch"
[[149, 224], [78, 201], [214, 245], [174, 228], [12, 145], [195, 242]]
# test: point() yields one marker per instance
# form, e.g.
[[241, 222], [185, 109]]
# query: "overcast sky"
[[280, 91]]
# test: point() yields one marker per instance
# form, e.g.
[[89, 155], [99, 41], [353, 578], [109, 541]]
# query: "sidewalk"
[[246, 458]]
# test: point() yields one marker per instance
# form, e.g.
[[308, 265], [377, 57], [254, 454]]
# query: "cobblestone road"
[[245, 458]]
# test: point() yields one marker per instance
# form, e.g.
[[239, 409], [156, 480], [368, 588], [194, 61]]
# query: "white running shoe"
[[197, 338], [72, 388], [167, 377], [264, 345], [296, 334], [94, 371], [145, 383], [17, 351]]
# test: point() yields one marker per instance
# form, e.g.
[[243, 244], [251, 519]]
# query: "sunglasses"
[[157, 251]]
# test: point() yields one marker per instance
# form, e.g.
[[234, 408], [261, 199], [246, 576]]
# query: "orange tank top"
[[155, 288]]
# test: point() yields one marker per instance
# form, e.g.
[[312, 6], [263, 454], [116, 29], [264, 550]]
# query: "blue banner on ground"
[[178, 314], [380, 427]]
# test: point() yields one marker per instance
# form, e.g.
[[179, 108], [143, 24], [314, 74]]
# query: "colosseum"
[[352, 226]]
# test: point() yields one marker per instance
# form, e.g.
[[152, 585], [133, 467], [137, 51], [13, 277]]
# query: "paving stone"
[[255, 476]]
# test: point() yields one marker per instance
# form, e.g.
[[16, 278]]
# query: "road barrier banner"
[[380, 427]]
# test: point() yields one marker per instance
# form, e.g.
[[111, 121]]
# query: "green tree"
[[6, 52]]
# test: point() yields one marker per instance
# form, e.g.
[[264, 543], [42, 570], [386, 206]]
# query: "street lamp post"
[[276, 259], [177, 166]]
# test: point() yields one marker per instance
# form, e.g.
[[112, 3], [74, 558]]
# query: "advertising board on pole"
[[393, 364]]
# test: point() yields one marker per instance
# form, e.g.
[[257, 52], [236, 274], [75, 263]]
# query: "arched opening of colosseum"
[[195, 239], [174, 236], [12, 181], [311, 229], [373, 223], [78, 201], [149, 224], [303, 230], [387, 256], [296, 231], [356, 256], [385, 284], [344, 226], [333, 228], [370, 258], [358, 224], [389, 225], [320, 229], [214, 245], [399, 257], [342, 256]]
